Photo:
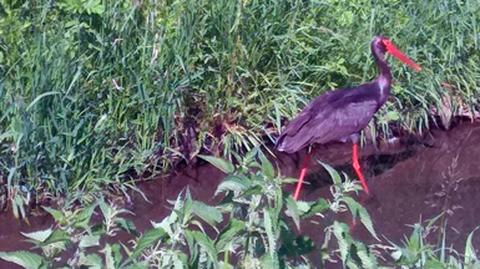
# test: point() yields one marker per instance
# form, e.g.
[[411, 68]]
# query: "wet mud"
[[410, 181]]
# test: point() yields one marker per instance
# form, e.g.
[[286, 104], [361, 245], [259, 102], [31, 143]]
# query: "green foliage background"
[[92, 89]]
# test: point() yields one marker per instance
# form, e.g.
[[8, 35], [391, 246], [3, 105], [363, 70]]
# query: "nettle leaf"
[[270, 227], [25, 259], [340, 231], [219, 163], [113, 256], [207, 245], [293, 211], [191, 246], [358, 210], [266, 261], [278, 205], [39, 236], [56, 236], [56, 214], [147, 240], [234, 183], [293, 245], [83, 218], [186, 210], [166, 223], [89, 241], [106, 209], [178, 262], [235, 228], [117, 255], [334, 175], [140, 265], [319, 206], [128, 226], [254, 190], [267, 167], [368, 261], [93, 261], [209, 214], [250, 156], [109, 258]]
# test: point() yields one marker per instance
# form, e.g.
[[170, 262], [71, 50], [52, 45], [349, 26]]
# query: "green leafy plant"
[[259, 232], [255, 225]]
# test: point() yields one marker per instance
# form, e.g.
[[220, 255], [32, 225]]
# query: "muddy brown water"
[[409, 182]]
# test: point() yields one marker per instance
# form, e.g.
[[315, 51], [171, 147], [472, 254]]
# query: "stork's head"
[[381, 45]]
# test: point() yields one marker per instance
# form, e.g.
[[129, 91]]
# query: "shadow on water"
[[378, 164], [375, 165]]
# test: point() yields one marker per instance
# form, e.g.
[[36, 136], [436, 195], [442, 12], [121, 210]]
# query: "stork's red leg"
[[303, 173], [356, 166]]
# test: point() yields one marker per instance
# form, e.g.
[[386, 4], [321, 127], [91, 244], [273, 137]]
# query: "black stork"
[[341, 114]]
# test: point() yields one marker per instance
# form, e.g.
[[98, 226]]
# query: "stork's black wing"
[[332, 116]]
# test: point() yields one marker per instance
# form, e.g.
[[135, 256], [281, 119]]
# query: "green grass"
[[93, 90]]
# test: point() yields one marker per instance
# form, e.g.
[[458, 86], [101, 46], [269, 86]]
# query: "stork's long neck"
[[384, 79]]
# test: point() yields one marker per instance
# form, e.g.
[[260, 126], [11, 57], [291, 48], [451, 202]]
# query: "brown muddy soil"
[[410, 181]]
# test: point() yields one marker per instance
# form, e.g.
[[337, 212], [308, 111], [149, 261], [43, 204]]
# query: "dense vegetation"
[[92, 91]]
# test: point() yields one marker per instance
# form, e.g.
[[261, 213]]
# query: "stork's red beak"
[[399, 55]]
